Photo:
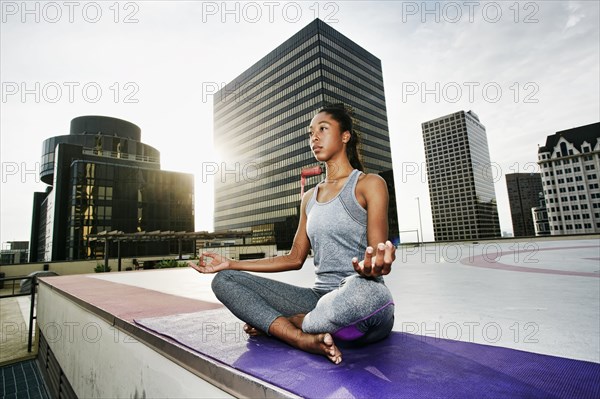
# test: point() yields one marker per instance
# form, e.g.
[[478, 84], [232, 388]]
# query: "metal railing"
[[31, 294]]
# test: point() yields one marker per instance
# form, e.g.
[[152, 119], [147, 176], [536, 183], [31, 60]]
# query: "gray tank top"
[[337, 230]]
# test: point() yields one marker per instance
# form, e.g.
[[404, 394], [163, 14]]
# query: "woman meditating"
[[343, 219]]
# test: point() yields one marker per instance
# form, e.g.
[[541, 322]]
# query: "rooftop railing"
[[31, 294]]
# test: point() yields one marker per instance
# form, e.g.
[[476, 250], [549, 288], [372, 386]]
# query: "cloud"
[[575, 15]]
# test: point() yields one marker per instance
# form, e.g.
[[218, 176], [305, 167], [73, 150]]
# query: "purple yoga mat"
[[401, 366]]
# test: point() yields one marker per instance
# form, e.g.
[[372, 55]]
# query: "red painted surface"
[[123, 301]]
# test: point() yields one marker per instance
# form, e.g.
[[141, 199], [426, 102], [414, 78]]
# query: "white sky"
[[528, 69]]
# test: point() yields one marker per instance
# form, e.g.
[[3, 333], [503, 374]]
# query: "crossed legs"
[[300, 316]]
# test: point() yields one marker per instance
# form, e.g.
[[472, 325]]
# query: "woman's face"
[[325, 137]]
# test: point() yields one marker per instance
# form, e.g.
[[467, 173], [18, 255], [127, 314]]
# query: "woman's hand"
[[376, 263], [217, 263]]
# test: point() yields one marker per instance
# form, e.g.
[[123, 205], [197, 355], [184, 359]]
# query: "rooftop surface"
[[539, 296]]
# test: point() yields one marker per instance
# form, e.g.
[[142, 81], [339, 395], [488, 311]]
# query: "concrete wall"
[[101, 361], [234, 251], [70, 267], [87, 266]]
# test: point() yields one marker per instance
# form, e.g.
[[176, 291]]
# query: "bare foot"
[[297, 320], [252, 331], [320, 344]]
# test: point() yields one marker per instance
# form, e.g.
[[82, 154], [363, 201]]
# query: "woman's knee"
[[370, 288], [221, 280]]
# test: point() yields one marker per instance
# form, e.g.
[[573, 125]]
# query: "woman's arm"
[[372, 194], [291, 261]]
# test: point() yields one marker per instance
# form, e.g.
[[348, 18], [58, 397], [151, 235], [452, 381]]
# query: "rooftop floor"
[[540, 296]]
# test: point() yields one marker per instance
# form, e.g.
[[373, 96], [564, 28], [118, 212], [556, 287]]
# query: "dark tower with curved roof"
[[102, 177]]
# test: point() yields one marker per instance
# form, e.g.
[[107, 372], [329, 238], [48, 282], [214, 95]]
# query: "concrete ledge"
[[88, 324]]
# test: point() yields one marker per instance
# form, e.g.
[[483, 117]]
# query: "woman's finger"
[[389, 257], [196, 267], [379, 259], [356, 265], [368, 261]]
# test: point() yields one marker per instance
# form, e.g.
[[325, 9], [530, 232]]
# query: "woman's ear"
[[346, 137]]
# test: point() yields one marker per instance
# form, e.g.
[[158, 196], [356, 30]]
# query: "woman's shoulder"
[[371, 180], [308, 194], [369, 186], [304, 203]]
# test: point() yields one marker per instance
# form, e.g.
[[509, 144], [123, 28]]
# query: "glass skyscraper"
[[524, 191], [461, 186], [261, 122]]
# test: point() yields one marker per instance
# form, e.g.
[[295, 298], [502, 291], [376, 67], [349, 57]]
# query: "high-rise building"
[[16, 252], [540, 217], [523, 194], [261, 122], [101, 177], [461, 187], [570, 167]]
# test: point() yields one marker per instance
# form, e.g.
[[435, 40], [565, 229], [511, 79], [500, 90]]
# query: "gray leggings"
[[359, 310]]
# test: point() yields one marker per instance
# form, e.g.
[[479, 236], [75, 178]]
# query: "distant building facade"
[[261, 121], [570, 167], [461, 187], [16, 252], [523, 194], [540, 217], [101, 177]]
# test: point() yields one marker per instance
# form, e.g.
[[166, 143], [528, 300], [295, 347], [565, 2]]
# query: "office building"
[[540, 217], [570, 167], [461, 187], [523, 194], [101, 178], [261, 121], [15, 252]]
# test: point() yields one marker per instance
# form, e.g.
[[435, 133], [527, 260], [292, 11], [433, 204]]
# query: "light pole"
[[420, 223]]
